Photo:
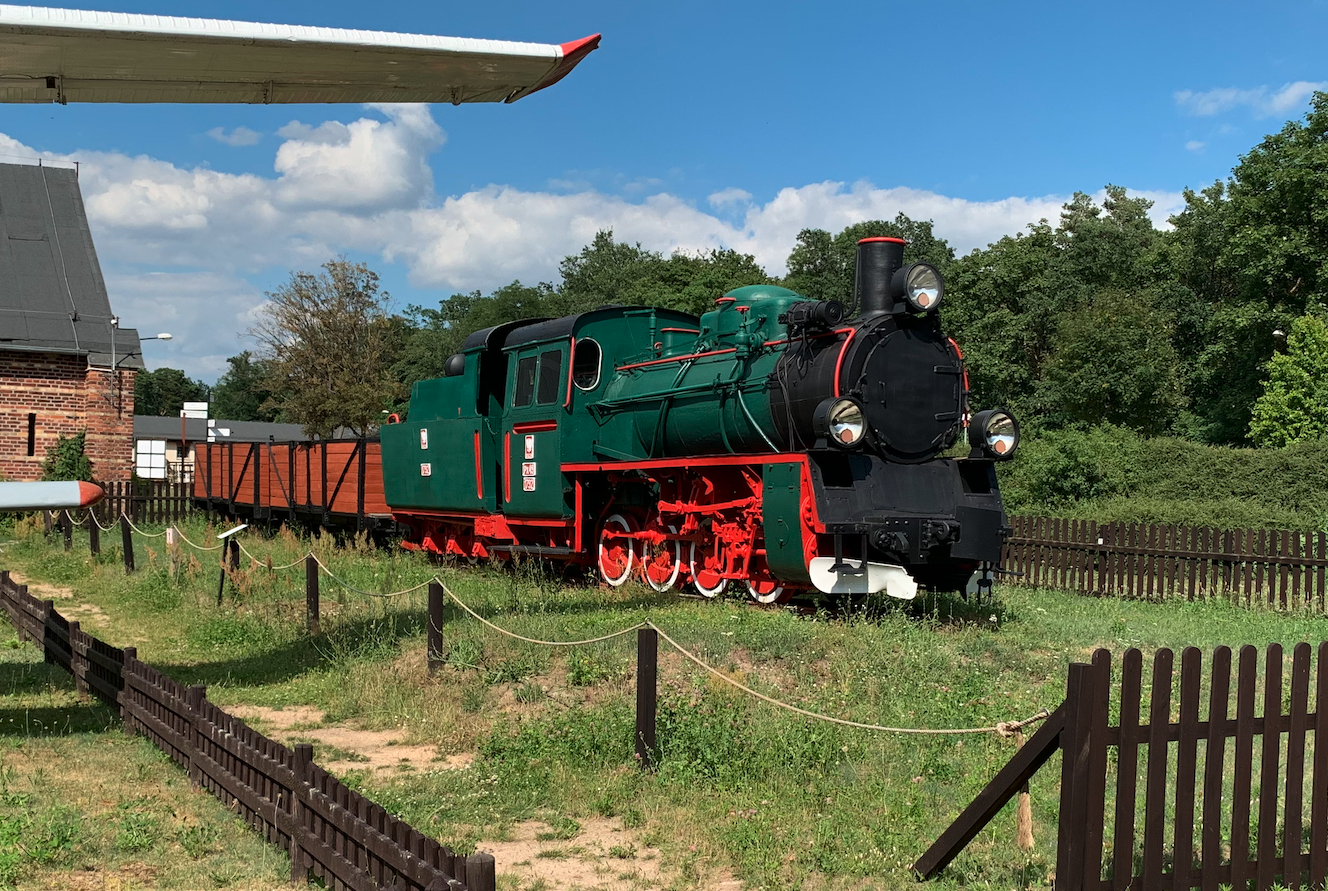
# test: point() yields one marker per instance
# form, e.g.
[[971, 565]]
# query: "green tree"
[[66, 461], [822, 266], [1007, 304], [1294, 404], [242, 392], [1250, 255], [327, 341], [1114, 363], [165, 391]]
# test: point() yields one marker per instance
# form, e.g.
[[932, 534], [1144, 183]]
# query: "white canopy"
[[70, 55]]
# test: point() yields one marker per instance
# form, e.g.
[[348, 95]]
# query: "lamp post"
[[115, 363]]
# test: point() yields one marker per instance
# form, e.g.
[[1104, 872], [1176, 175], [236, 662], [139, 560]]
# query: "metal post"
[[46, 523], [127, 543], [67, 529], [94, 535], [435, 652], [311, 591], [647, 670]]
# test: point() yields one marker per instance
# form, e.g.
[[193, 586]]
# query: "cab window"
[[550, 363], [585, 364], [525, 382]]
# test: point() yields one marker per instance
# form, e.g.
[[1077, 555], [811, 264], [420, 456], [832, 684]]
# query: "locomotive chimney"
[[878, 258]]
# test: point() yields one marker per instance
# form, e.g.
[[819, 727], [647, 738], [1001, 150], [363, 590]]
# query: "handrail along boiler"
[[771, 443]]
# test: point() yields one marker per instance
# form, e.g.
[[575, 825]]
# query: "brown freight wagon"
[[331, 483]]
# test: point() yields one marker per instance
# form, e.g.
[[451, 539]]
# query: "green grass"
[[83, 806], [778, 800]]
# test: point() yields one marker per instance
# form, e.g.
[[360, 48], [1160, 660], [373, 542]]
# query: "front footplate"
[[848, 576]]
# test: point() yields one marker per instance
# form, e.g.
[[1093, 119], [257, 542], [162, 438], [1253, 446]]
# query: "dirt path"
[[350, 748], [602, 856]]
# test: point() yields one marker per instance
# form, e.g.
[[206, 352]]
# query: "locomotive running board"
[[847, 577]]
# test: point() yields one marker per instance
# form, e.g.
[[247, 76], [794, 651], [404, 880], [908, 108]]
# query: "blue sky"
[[695, 125]]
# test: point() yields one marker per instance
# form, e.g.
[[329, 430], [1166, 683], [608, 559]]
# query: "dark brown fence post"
[[127, 544], [78, 665], [193, 697], [436, 603], [47, 523], [94, 535], [1074, 769], [647, 691], [304, 756], [126, 692], [480, 873], [221, 581], [311, 592], [67, 530]]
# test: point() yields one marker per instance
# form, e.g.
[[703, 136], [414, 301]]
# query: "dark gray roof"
[[52, 295], [149, 427]]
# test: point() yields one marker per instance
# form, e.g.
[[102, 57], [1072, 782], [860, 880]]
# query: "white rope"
[[196, 547], [140, 531], [264, 562], [349, 587], [545, 643], [1004, 728], [98, 522]]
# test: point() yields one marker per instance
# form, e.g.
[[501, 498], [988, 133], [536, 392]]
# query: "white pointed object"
[[48, 495], [847, 576], [75, 55]]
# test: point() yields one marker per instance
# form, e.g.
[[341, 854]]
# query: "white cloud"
[[181, 247], [1194, 145], [729, 197], [240, 136], [1263, 101]]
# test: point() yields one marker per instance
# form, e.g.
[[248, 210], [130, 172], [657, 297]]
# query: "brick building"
[[65, 365]]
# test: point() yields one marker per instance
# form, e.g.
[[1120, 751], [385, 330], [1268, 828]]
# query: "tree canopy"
[[1096, 318], [165, 391]]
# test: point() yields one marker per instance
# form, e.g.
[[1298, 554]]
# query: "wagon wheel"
[[767, 591], [617, 554], [706, 569], [661, 563]]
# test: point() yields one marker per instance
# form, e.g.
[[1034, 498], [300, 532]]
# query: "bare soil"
[[602, 856], [373, 750]]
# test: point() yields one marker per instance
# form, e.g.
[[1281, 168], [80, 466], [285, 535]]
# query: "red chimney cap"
[[882, 238]]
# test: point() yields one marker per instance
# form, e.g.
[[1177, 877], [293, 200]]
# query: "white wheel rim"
[[701, 589], [772, 597], [628, 543], [661, 587]]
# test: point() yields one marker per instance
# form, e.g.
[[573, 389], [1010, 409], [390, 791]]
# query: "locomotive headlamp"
[[921, 285], [994, 434], [841, 421]]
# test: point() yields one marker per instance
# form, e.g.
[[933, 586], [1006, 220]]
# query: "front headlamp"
[[993, 433], [841, 422], [921, 285]]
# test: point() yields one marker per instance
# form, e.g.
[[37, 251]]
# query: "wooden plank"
[[1293, 797], [1219, 692], [1127, 769], [1095, 790], [1182, 847], [994, 796], [1159, 712], [1321, 555], [1270, 756], [1079, 705], [1319, 801], [1283, 551]]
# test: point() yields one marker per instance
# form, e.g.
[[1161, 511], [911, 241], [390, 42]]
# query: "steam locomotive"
[[771, 444]]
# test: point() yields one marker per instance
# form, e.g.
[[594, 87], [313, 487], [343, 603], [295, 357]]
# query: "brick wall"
[[66, 396]]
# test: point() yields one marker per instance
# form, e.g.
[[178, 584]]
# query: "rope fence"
[[315, 565]]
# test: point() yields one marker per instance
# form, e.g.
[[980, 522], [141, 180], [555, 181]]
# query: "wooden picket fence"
[[145, 501], [1182, 796], [1281, 567], [332, 833]]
